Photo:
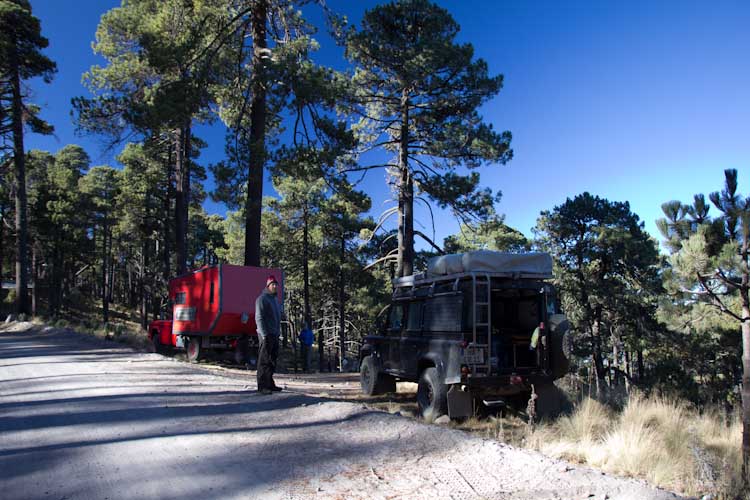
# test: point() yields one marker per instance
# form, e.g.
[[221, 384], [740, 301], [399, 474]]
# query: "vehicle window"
[[211, 296], [396, 318], [443, 314], [180, 297], [414, 318]]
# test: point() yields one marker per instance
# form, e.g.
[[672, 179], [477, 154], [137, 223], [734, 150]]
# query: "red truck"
[[214, 308]]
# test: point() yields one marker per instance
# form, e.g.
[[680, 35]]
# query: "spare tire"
[[559, 345]]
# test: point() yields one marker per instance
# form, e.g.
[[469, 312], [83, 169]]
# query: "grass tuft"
[[662, 440]]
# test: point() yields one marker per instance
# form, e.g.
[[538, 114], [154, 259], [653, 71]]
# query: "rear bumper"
[[505, 385]]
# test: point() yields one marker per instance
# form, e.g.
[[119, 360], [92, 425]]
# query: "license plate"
[[474, 356]]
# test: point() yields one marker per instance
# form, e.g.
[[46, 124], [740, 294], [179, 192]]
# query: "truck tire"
[[432, 397], [551, 401], [156, 342], [372, 381], [560, 346], [242, 351], [194, 349]]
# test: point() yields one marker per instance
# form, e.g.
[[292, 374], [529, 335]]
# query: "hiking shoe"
[[265, 392]]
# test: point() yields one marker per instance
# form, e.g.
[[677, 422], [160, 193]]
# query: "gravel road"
[[82, 418]]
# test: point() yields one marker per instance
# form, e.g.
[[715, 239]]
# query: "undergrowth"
[[662, 440]]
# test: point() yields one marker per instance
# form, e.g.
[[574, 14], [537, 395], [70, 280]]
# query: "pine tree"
[[711, 268], [102, 186], [161, 68], [417, 93], [605, 268], [21, 59]]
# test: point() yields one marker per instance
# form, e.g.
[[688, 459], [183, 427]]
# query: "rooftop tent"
[[537, 264]]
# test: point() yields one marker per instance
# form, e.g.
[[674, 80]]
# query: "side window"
[[414, 317], [396, 318], [211, 296], [180, 297], [443, 314]]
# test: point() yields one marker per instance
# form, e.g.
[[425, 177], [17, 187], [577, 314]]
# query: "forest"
[[104, 240]]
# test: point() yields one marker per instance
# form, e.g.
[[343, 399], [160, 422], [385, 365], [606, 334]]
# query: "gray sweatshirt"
[[267, 315]]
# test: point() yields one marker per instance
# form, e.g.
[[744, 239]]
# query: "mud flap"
[[459, 402]]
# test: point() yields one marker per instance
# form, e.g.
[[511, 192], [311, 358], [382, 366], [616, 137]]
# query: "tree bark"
[[2, 238], [596, 349], [256, 162], [342, 299], [19, 159], [142, 286], [745, 299], [105, 273], [182, 194], [306, 266], [34, 279], [405, 196]]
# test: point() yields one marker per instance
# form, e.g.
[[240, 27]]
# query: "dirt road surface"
[[82, 418]]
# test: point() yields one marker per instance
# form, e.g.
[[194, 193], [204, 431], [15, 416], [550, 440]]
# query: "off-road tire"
[[156, 342], [551, 401], [193, 349], [560, 349], [432, 398], [372, 381], [242, 351]]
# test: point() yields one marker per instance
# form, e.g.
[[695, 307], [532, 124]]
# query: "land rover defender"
[[476, 328]]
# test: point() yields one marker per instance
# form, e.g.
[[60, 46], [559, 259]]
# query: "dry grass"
[[659, 439]]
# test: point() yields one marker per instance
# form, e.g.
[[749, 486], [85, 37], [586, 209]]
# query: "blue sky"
[[637, 101]]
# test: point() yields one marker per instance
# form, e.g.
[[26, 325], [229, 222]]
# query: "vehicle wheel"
[[242, 351], [560, 348], [194, 349], [551, 401], [372, 381], [156, 342], [431, 395]]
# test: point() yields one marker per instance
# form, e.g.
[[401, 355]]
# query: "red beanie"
[[271, 279]]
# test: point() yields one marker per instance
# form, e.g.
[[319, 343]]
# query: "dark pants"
[[267, 354], [306, 355]]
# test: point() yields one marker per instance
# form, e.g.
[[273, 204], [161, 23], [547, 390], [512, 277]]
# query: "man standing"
[[268, 323]]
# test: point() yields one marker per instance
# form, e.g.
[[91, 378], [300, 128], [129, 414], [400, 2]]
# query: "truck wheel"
[[372, 381], [194, 349], [431, 395], [156, 341], [551, 401], [242, 351]]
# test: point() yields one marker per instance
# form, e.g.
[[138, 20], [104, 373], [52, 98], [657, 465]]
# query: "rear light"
[[516, 380]]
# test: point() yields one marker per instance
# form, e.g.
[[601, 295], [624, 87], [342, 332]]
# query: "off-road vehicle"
[[476, 328]]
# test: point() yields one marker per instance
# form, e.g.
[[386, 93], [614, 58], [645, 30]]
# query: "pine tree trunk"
[[405, 197], [34, 279], [2, 238], [342, 298], [105, 304], [142, 286], [745, 299], [306, 266], [596, 342], [19, 158], [182, 194], [256, 162], [165, 250]]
